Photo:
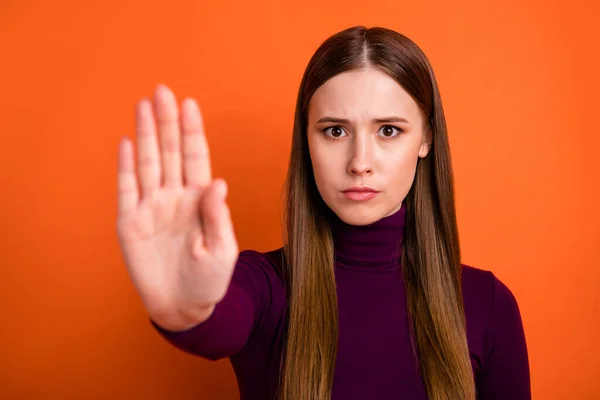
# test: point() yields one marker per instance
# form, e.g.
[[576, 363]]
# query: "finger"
[[127, 190], [148, 155], [167, 122], [196, 157], [216, 219]]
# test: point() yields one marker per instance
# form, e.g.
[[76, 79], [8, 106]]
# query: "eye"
[[389, 131], [334, 132]]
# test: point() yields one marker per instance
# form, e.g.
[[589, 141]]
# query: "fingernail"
[[161, 89], [143, 105], [191, 104], [222, 188]]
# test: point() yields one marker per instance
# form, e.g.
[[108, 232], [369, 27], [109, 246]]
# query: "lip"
[[360, 189], [360, 193]]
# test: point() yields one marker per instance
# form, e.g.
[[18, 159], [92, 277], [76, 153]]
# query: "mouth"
[[360, 193]]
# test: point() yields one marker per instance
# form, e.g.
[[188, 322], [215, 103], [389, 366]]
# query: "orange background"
[[520, 88]]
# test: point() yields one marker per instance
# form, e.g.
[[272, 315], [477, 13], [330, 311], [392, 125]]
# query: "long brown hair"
[[431, 253]]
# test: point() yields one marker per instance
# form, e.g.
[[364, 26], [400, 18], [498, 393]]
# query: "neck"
[[376, 244]]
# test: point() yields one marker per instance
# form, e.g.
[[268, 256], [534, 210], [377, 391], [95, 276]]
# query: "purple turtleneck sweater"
[[374, 359]]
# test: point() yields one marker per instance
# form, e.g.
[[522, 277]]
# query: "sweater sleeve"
[[505, 374], [235, 317]]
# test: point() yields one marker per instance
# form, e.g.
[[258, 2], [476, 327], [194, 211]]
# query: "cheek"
[[325, 167], [401, 172]]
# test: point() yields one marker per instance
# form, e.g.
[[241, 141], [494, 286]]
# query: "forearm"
[[222, 334], [182, 319]]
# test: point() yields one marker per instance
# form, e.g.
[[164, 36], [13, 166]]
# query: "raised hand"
[[174, 226]]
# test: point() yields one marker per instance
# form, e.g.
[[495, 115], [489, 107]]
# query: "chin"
[[359, 214]]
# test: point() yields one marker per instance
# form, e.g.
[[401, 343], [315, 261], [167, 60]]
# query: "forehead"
[[365, 93]]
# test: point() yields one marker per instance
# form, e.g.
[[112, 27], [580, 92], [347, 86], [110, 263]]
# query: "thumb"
[[217, 226]]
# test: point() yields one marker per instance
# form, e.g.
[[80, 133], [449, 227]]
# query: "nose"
[[361, 161]]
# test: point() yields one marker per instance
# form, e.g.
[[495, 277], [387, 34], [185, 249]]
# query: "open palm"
[[173, 225]]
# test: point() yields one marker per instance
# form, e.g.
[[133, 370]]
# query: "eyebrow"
[[375, 120]]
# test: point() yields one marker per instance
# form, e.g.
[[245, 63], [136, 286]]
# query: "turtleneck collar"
[[376, 244]]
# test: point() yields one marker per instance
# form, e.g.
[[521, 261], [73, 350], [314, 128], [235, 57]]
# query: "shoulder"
[[258, 272], [480, 285], [268, 262], [491, 308], [496, 336], [271, 257]]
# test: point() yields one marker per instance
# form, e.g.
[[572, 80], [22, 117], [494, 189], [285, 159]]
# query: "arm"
[[505, 373], [235, 317]]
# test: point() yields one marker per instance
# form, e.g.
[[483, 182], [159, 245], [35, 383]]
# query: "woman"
[[368, 298]]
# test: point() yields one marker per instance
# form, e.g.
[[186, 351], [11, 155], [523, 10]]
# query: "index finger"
[[196, 158]]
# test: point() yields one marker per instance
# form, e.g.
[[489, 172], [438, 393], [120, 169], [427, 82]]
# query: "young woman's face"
[[364, 131]]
